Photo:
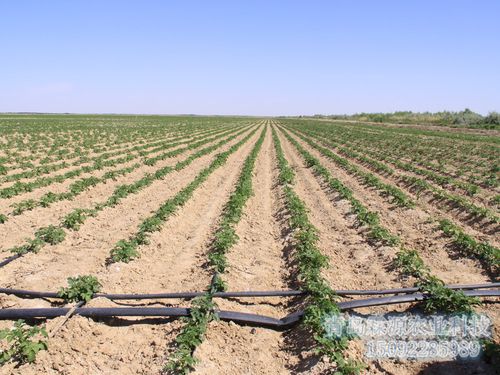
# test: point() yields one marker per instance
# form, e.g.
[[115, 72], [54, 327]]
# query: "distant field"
[[150, 204]]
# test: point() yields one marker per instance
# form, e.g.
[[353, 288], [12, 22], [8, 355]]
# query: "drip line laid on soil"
[[237, 317], [265, 293]]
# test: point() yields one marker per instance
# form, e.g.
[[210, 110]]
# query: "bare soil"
[[176, 257]]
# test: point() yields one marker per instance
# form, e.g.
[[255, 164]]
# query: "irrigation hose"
[[237, 317], [408, 298], [243, 294], [9, 259]]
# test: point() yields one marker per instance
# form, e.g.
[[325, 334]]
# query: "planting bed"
[[152, 204]]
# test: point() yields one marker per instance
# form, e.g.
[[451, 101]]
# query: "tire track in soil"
[[86, 250], [256, 262], [165, 264], [17, 228], [414, 227]]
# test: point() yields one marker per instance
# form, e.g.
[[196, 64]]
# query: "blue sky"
[[249, 57]]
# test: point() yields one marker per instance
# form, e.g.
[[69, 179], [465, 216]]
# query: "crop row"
[[64, 149], [445, 144], [370, 219], [48, 168], [83, 184], [398, 197], [46, 164], [445, 181], [22, 187], [157, 145], [71, 141], [443, 155], [78, 216], [419, 185], [469, 246], [434, 287], [359, 153], [321, 300], [440, 298], [126, 250], [203, 309]]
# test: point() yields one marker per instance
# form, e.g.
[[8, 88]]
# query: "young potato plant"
[[440, 298], [124, 251], [75, 219], [51, 234], [31, 246], [22, 206], [23, 343], [80, 288], [484, 251], [47, 235], [203, 311]]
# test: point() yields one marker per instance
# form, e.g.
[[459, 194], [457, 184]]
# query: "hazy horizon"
[[280, 58]]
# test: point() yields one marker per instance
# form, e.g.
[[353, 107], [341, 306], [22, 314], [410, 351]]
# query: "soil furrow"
[[172, 261], [86, 250], [429, 204], [415, 228], [256, 262], [60, 187], [17, 228], [354, 262]]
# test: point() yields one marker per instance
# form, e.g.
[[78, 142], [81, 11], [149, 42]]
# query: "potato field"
[[110, 224]]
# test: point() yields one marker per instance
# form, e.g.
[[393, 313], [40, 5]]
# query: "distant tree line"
[[465, 118]]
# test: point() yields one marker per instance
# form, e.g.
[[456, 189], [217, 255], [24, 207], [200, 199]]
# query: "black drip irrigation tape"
[[408, 298], [104, 312], [9, 259], [412, 290], [237, 317], [245, 294], [181, 295]]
